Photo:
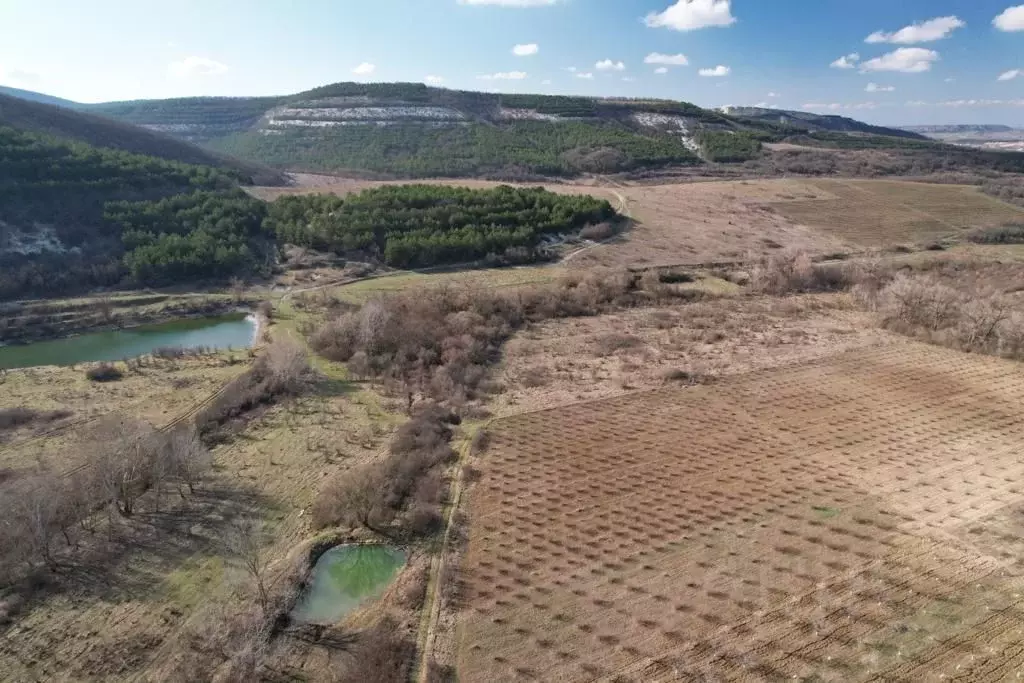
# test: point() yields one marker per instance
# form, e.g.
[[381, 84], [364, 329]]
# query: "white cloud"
[[509, 3], [718, 72], [609, 65], [197, 67], [690, 15], [433, 80], [667, 60], [571, 69], [526, 50], [909, 60], [773, 94], [846, 61], [920, 32], [364, 69], [949, 80], [814, 105], [1012, 19], [546, 81], [762, 105], [916, 103], [628, 79], [585, 76], [874, 87], [1009, 75], [19, 77], [661, 70], [504, 76]]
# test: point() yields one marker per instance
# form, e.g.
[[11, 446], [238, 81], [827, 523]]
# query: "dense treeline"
[[726, 146], [193, 236], [424, 225], [522, 149], [109, 219]]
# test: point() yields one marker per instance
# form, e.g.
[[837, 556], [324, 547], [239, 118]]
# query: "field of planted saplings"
[[852, 518]]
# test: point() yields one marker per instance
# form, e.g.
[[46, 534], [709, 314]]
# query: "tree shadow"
[[130, 560]]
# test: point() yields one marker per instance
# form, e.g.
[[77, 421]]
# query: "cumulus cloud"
[[509, 3], [718, 72], [197, 67], [908, 60], [609, 65], [1009, 75], [661, 70], [19, 77], [571, 69], [504, 76], [1011, 19], [433, 80], [628, 79], [526, 50], [874, 87], [587, 76], [920, 32], [846, 61], [690, 15], [773, 94], [364, 69], [667, 60]]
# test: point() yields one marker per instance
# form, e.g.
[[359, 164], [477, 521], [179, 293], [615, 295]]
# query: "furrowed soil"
[[877, 213], [853, 517]]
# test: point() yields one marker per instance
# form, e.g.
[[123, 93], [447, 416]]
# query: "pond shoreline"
[[46, 329]]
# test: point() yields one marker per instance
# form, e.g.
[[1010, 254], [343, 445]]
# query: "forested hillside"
[[424, 225], [55, 232], [67, 124]]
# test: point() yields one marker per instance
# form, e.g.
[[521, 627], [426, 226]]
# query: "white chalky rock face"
[[527, 115], [668, 122], [37, 240], [324, 117]]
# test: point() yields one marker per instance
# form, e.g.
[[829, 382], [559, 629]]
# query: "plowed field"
[[852, 518]]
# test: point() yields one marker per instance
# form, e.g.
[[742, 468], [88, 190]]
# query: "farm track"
[[794, 522]]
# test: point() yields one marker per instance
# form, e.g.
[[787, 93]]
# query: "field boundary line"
[[430, 617]]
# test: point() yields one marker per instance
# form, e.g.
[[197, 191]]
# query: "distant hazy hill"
[[959, 129], [36, 97], [817, 122], [68, 124]]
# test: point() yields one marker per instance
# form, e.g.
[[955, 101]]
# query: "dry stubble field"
[[855, 517]]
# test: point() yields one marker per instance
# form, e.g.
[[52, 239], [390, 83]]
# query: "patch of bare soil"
[[565, 361], [810, 522]]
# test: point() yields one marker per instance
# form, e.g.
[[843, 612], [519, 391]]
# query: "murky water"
[[345, 577], [235, 330]]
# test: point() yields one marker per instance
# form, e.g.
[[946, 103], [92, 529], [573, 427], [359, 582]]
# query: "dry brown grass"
[[879, 213]]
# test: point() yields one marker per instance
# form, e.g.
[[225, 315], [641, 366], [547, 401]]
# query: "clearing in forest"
[[855, 517]]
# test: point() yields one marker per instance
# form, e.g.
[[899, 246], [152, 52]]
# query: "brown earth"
[[838, 519]]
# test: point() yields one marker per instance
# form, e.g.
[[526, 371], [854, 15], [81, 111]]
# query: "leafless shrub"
[[1004, 234], [535, 376], [245, 540], [266, 310], [607, 344], [12, 418], [382, 654], [399, 494], [481, 440], [104, 372]]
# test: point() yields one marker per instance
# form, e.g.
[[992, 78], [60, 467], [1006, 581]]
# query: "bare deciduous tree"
[[245, 540]]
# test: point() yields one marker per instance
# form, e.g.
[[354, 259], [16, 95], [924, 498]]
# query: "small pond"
[[345, 577], [236, 330]]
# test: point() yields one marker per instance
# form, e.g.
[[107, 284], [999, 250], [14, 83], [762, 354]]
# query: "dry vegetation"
[[875, 213]]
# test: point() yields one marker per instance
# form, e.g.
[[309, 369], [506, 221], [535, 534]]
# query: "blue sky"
[[780, 53]]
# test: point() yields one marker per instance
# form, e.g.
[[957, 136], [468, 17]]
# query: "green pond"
[[343, 578], [236, 330]]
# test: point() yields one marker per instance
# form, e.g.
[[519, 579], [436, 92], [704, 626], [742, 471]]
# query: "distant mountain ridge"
[[32, 96], [817, 122], [410, 130], [960, 129]]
